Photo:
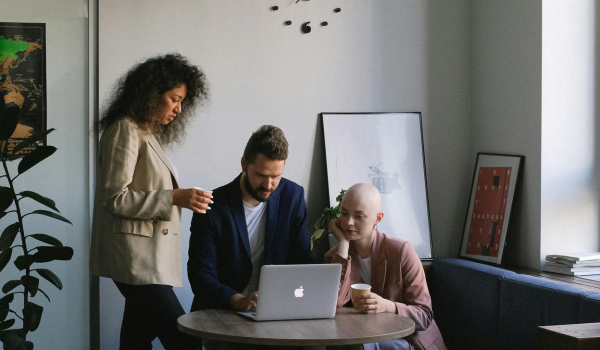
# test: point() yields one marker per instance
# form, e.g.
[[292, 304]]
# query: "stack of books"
[[574, 265]]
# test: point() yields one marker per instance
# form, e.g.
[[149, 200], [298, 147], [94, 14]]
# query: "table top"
[[347, 327], [578, 331]]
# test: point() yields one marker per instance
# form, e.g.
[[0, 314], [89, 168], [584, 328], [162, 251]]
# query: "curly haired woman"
[[136, 237]]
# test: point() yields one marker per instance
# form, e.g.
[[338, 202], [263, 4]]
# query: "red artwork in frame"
[[489, 208]]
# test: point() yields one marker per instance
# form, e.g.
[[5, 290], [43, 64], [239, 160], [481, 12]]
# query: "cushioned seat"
[[589, 311], [527, 302], [466, 303]]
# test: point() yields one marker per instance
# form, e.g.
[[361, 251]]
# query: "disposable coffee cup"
[[359, 289]]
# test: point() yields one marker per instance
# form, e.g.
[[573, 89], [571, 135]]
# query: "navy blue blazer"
[[219, 264]]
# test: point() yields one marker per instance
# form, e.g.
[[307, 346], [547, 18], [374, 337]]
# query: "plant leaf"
[[8, 236], [47, 239], [4, 305], [30, 140], [317, 234], [34, 157], [11, 338], [10, 285], [31, 284], [24, 261], [5, 258], [7, 324], [32, 315], [40, 199], [50, 277], [318, 223], [6, 198], [45, 254], [9, 118], [51, 214]]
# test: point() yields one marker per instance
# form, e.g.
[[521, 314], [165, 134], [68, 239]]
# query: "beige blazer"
[[397, 275], [136, 228]]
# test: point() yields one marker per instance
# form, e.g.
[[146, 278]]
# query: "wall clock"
[[305, 27]]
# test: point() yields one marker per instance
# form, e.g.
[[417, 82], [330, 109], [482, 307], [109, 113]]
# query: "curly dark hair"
[[137, 95], [269, 141]]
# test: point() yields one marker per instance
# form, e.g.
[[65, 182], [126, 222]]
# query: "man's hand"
[[371, 303], [337, 232], [244, 303], [193, 199]]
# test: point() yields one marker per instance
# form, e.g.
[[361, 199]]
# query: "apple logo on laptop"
[[299, 293]]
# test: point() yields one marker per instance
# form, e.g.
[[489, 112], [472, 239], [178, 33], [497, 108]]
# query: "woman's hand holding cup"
[[365, 301], [194, 199]]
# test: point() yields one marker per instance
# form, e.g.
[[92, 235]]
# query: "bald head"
[[364, 195]]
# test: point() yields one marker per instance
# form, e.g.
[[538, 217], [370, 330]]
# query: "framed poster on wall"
[[23, 80], [490, 204], [385, 150]]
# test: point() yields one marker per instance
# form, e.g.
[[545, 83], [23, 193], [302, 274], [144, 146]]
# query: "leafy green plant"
[[30, 316], [324, 222]]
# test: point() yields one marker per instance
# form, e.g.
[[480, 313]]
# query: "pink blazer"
[[397, 275]]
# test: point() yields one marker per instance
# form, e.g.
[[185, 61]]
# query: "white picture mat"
[[385, 150], [483, 161]]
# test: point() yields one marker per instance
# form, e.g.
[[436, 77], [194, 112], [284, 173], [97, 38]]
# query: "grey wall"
[[64, 176], [506, 114], [390, 55]]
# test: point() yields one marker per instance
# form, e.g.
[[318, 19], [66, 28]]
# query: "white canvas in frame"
[[385, 150]]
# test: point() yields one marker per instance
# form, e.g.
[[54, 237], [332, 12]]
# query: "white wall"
[[506, 58], [391, 55], [569, 128], [64, 176]]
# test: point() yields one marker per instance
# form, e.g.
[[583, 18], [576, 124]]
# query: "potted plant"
[[28, 286], [324, 222]]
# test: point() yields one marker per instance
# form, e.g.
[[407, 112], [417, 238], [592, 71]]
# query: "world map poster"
[[23, 78]]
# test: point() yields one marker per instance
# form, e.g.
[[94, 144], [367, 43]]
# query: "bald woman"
[[390, 265]]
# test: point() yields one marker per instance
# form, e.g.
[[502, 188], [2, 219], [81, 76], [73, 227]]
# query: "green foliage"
[[40, 199], [324, 222], [8, 236], [47, 239], [27, 286]]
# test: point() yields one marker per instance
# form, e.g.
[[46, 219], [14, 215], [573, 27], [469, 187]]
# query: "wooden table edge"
[[295, 342]]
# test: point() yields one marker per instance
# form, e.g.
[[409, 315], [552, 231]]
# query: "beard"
[[253, 192]]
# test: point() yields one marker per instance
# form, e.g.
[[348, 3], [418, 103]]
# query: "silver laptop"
[[294, 292]]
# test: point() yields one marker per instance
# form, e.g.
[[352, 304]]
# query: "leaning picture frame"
[[386, 150], [490, 205]]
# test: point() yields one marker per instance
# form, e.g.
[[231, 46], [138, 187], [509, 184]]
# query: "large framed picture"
[[490, 204], [385, 150]]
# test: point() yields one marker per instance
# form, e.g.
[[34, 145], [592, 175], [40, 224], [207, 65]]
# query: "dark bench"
[[477, 306]]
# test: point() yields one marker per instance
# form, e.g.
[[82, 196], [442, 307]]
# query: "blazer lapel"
[[161, 154], [237, 210], [272, 211], [378, 263]]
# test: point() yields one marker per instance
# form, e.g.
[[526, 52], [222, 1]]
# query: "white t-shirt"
[[256, 220], [365, 270]]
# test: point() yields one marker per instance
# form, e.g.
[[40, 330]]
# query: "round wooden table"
[[347, 327]]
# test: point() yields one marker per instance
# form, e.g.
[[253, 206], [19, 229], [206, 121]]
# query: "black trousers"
[[151, 311]]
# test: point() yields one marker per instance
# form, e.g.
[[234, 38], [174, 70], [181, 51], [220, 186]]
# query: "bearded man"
[[259, 218]]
